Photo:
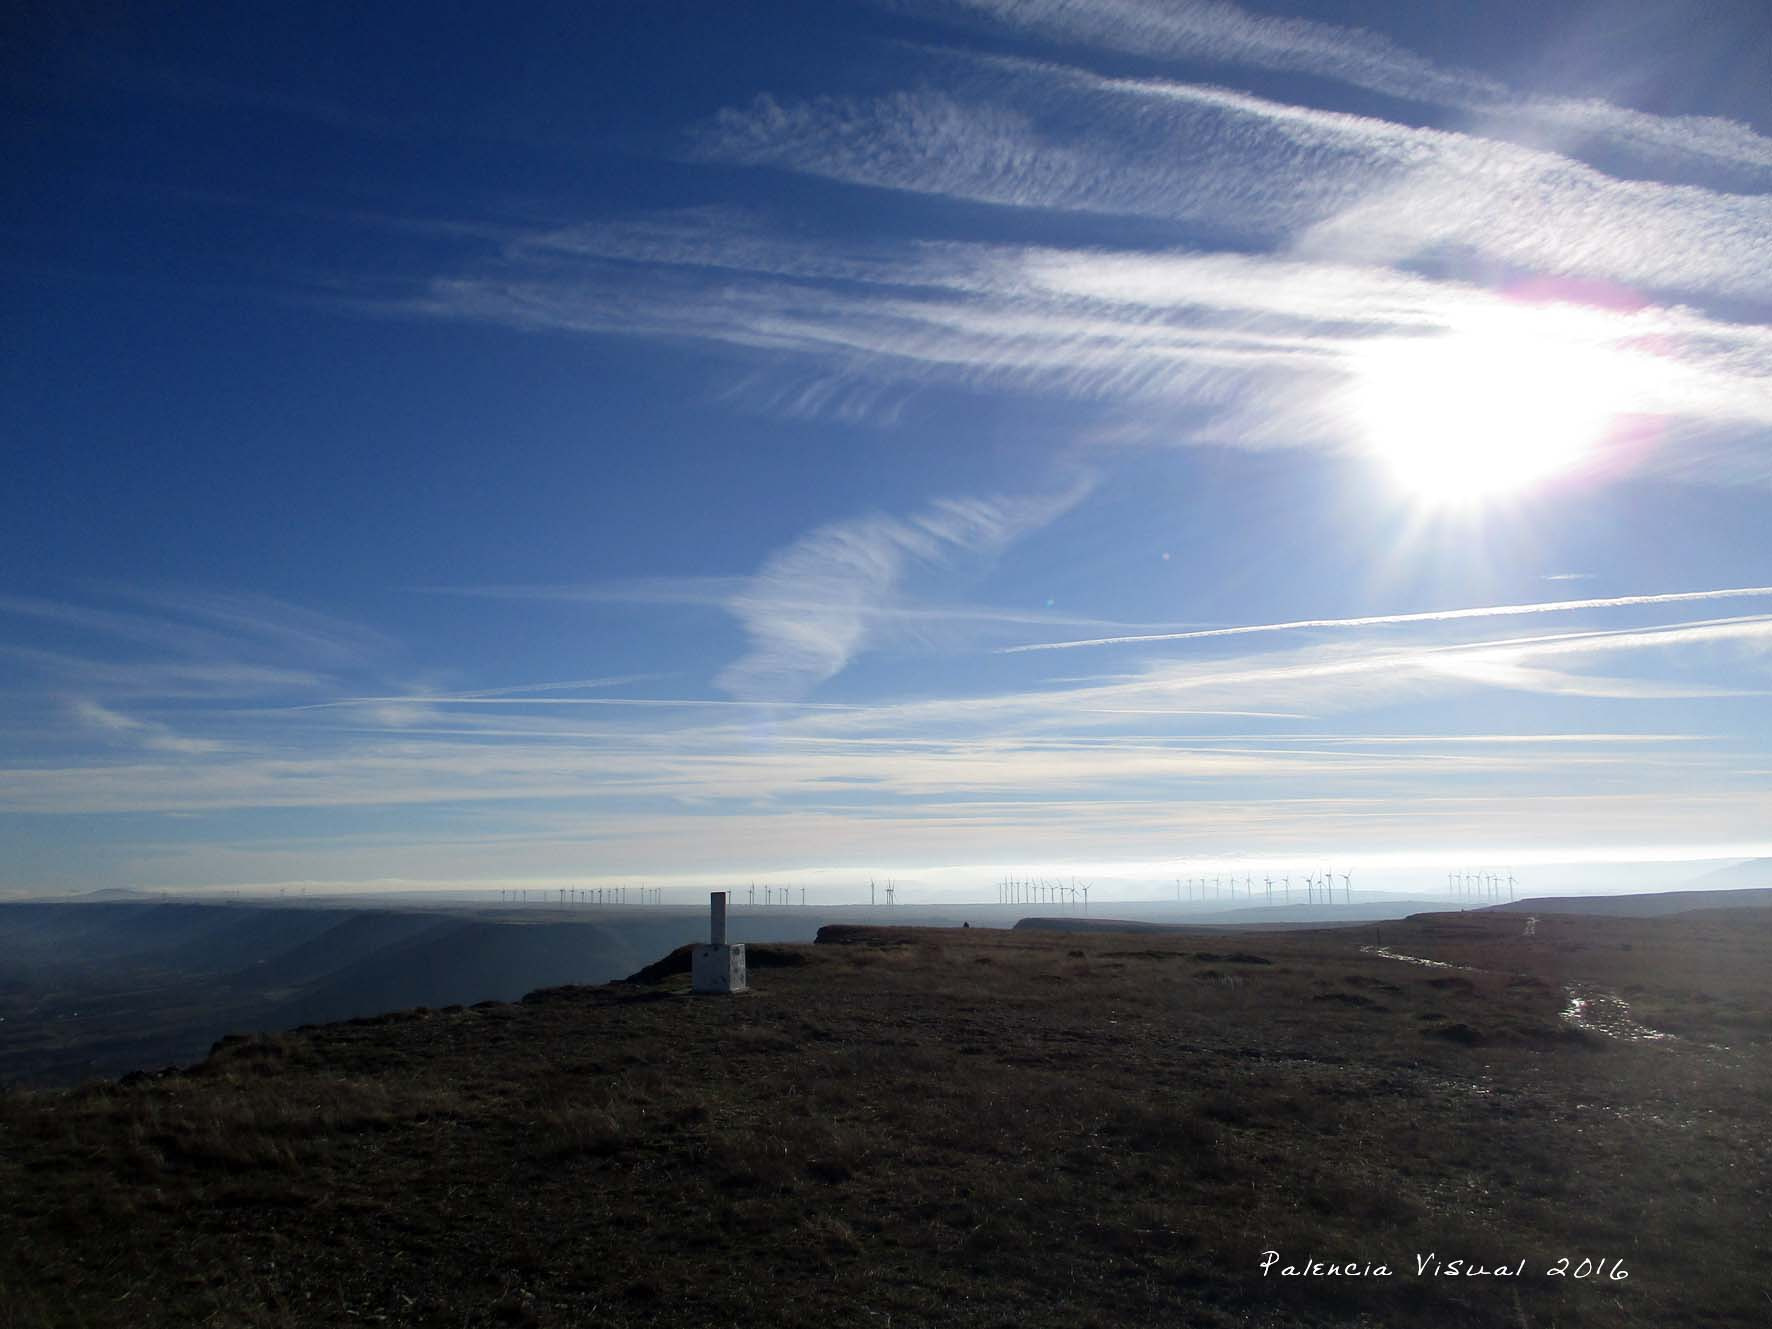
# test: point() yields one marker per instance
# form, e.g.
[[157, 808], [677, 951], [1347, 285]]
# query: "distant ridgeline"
[[1643, 906], [102, 988]]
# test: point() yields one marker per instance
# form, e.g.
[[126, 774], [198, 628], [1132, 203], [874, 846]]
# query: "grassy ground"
[[949, 1128]]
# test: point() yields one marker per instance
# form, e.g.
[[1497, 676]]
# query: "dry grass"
[[973, 1128]]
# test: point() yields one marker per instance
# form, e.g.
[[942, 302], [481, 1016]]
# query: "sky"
[[472, 445]]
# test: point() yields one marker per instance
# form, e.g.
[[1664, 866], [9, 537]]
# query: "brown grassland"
[[977, 1128]]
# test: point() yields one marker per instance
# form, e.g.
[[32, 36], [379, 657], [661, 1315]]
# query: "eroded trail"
[[1603, 1012], [1586, 1005], [1389, 954]]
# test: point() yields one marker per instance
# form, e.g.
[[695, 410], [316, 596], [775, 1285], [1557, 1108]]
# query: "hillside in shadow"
[[969, 1127], [1650, 904], [104, 988]]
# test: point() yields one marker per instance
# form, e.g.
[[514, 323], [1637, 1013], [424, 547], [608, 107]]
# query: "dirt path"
[[1587, 1006], [1389, 954], [1604, 1012]]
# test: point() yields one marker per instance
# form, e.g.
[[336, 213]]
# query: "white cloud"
[[256, 622], [148, 734], [1085, 770], [1338, 677], [810, 609], [718, 593], [1215, 31], [1253, 350], [162, 678], [1327, 183], [724, 772]]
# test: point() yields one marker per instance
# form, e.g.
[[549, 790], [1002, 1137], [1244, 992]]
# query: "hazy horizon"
[[1247, 889]]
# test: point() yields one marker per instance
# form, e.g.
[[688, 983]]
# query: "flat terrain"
[[917, 1127]]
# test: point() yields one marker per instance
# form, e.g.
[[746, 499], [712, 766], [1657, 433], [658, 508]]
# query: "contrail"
[[480, 699], [1376, 620], [612, 682]]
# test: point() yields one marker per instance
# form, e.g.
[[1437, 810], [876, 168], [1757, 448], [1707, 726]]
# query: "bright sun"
[[1470, 415]]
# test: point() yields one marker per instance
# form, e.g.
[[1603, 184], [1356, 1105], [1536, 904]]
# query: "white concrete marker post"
[[718, 967]]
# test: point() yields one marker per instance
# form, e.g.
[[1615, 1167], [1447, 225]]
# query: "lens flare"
[[1469, 415]]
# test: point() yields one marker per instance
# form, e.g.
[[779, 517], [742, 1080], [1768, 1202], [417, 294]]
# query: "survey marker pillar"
[[717, 967]]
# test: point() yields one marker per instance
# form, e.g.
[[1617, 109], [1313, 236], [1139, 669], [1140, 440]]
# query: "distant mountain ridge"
[[1640, 906], [1752, 872], [1277, 918], [96, 987]]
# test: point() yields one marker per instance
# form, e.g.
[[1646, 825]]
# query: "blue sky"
[[705, 442]]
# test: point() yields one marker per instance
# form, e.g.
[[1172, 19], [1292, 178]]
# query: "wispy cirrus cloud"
[[1215, 31], [724, 769], [718, 593], [164, 678], [260, 622], [207, 625], [1343, 677], [959, 775], [1274, 174], [148, 734], [483, 699], [1262, 350], [808, 610], [168, 672]]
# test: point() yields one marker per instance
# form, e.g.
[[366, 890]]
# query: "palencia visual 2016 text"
[[1432, 1265]]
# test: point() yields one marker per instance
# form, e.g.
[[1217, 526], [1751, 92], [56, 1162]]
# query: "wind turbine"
[[1347, 886]]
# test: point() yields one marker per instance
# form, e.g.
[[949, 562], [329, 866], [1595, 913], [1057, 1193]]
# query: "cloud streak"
[[808, 610], [1275, 174], [948, 778], [1383, 620], [1214, 31], [147, 734], [1258, 350]]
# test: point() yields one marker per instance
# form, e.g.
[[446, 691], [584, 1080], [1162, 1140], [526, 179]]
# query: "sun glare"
[[1471, 415]]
